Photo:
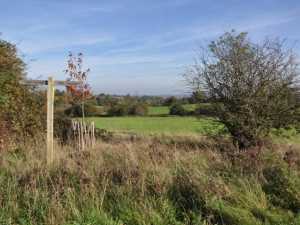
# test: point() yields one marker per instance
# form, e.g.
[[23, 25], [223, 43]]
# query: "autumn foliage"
[[21, 108], [76, 72]]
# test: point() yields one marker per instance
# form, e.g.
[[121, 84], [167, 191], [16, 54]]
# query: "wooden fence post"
[[50, 115], [50, 110]]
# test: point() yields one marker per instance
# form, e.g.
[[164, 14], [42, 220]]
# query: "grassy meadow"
[[159, 125], [158, 110], [159, 122], [165, 170], [184, 181]]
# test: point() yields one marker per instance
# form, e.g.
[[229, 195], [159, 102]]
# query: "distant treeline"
[[109, 99], [122, 105]]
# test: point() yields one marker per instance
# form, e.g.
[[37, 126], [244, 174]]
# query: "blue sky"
[[136, 46]]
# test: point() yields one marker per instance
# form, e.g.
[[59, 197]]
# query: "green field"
[[164, 110], [158, 110], [158, 125]]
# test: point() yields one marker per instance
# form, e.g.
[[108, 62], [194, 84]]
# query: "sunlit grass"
[[159, 125], [164, 110]]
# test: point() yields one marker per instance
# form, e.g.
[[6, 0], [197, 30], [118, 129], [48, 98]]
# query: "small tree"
[[76, 73], [251, 85]]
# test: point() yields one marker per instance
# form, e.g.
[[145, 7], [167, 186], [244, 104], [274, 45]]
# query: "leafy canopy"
[[251, 85], [20, 107]]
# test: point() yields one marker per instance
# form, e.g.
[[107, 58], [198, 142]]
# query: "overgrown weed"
[[148, 181]]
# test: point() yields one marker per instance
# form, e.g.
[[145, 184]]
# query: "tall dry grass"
[[151, 181]]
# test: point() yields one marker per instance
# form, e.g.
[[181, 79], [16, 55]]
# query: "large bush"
[[118, 110], [139, 109], [204, 109], [178, 110], [21, 108], [126, 109], [251, 85]]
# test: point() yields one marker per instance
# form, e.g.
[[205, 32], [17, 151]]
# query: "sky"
[[136, 46]]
